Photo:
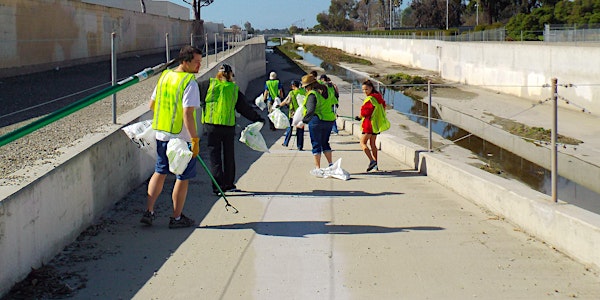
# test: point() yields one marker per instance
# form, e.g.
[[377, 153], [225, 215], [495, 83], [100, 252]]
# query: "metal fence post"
[[554, 135], [167, 45], [113, 67], [430, 144], [352, 97], [216, 59], [206, 47]]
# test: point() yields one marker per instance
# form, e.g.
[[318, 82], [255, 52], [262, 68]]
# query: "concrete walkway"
[[391, 234]]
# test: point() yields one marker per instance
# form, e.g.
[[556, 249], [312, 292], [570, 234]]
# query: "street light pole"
[[391, 15], [477, 14], [447, 14]]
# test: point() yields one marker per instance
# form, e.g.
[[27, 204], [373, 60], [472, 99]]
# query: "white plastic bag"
[[336, 171], [277, 102], [297, 118], [252, 137], [260, 102], [142, 134], [298, 115], [179, 155], [300, 100], [279, 119]]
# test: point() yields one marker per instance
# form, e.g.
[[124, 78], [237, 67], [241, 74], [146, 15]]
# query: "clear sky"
[[263, 14]]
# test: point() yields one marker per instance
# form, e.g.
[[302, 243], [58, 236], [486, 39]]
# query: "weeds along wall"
[[39, 35]]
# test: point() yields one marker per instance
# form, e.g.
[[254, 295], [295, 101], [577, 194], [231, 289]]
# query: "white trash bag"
[[336, 171], [279, 119], [277, 102], [297, 118], [179, 155], [260, 102], [300, 100], [142, 134], [252, 137], [298, 114]]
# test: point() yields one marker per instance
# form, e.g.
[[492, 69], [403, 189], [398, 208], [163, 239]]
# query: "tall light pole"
[[447, 14], [391, 22], [477, 13]]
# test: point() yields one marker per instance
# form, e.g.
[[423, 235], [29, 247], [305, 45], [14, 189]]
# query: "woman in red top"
[[366, 110]]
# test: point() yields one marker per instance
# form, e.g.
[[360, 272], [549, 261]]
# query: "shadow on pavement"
[[304, 228], [314, 193]]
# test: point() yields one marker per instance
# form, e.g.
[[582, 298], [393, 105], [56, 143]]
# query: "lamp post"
[[447, 14], [391, 21], [477, 14]]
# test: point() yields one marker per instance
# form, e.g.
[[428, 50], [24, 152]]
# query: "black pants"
[[221, 154]]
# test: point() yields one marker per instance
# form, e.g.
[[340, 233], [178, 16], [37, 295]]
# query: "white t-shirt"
[[191, 98]]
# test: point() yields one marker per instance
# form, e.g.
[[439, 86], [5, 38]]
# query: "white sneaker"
[[317, 172]]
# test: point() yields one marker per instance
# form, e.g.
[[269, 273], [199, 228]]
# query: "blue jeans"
[[299, 136], [334, 129], [319, 135]]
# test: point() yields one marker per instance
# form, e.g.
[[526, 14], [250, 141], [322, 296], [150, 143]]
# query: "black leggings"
[[221, 154]]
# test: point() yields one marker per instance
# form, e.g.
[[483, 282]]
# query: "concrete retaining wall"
[[40, 35], [39, 219], [513, 68]]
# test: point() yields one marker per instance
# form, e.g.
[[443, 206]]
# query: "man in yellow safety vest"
[[174, 102]]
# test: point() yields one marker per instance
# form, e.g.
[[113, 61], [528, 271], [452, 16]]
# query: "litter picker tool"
[[227, 204]]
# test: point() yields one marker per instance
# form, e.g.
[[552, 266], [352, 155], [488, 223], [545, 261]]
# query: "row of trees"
[[528, 15]]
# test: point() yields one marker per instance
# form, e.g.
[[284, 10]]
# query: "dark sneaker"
[[372, 164], [147, 218], [181, 223]]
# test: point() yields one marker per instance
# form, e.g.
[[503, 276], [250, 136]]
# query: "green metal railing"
[[89, 100]]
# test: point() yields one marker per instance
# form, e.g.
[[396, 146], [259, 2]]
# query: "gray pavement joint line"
[[245, 251], [332, 283], [237, 264]]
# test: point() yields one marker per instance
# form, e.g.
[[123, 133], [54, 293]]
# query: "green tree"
[[530, 26], [338, 17], [294, 29], [432, 13], [249, 28]]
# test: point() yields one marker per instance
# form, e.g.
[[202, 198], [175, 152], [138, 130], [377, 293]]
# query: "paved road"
[[393, 234]]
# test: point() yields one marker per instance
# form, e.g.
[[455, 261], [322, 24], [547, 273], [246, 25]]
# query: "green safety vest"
[[324, 107], [294, 103], [379, 120], [273, 87], [221, 98], [331, 93], [168, 106]]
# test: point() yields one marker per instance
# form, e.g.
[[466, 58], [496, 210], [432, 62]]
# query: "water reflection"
[[512, 165]]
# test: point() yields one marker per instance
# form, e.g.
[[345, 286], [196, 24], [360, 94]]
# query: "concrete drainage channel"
[[505, 163]]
